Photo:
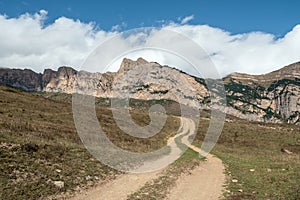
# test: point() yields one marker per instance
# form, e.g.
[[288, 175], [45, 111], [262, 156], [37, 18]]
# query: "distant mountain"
[[273, 97]]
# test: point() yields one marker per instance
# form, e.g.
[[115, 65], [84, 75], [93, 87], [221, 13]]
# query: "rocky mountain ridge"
[[272, 97]]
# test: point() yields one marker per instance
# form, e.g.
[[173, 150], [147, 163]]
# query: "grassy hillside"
[[39, 145], [254, 157]]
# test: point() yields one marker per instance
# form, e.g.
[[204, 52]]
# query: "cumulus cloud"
[[26, 41], [253, 52]]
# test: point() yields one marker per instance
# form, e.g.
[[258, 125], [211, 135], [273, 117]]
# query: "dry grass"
[[39, 145], [37, 137]]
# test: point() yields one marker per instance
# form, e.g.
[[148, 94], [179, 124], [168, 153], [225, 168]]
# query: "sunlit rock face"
[[272, 97]]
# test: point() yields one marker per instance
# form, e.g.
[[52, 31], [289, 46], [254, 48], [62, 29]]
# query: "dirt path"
[[118, 189], [205, 182]]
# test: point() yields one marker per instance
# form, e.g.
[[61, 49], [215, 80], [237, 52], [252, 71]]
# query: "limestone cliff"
[[272, 97]]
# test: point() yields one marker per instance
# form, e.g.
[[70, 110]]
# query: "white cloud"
[[186, 19], [26, 41], [119, 27]]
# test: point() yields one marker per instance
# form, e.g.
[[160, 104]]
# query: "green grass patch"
[[252, 153]]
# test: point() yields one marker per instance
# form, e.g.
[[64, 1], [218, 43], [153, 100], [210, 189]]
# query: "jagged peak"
[[63, 68], [142, 60], [127, 61], [128, 64]]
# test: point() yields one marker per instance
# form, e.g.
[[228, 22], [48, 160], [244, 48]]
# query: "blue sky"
[[245, 36], [236, 16]]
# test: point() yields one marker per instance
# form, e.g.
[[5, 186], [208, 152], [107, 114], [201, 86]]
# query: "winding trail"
[[205, 182]]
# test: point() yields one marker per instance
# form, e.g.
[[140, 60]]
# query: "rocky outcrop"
[[26, 79], [62, 80], [272, 97], [148, 80]]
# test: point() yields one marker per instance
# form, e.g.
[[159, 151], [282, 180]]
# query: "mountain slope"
[[272, 97]]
